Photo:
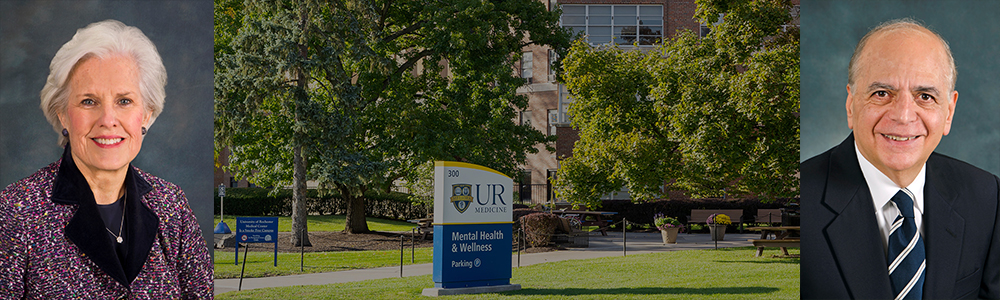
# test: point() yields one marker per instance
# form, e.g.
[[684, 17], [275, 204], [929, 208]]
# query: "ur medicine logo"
[[461, 196]]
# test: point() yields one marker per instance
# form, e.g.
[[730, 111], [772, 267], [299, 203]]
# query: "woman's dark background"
[[178, 147]]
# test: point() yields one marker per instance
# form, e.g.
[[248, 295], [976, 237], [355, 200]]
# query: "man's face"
[[902, 101]]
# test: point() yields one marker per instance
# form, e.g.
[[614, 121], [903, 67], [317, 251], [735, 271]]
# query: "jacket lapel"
[[86, 229], [853, 233], [143, 224], [944, 229]]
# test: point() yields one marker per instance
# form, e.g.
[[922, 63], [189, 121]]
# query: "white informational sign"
[[472, 226], [466, 193]]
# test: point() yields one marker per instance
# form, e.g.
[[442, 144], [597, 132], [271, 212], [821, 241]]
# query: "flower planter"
[[670, 235], [718, 231]]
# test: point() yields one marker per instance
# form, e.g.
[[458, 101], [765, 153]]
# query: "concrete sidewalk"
[[600, 246]]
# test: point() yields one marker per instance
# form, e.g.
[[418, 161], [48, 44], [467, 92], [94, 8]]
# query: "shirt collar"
[[70, 187], [882, 188]]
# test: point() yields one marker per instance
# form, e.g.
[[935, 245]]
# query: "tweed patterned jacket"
[[53, 243]]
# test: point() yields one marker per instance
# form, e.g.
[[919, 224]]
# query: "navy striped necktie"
[[906, 256]]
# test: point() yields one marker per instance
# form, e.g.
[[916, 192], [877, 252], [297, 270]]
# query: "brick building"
[[623, 21], [602, 21]]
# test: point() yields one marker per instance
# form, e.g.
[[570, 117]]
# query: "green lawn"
[[261, 264], [328, 223], [694, 274]]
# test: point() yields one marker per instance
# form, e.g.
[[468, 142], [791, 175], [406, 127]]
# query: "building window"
[[526, 66], [550, 176], [622, 24], [795, 18], [705, 30], [565, 99], [553, 56], [553, 119], [232, 181], [524, 186], [526, 118]]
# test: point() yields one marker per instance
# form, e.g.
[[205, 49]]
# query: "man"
[[884, 217]]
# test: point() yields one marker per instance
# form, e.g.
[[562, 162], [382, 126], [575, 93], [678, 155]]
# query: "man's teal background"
[[831, 29]]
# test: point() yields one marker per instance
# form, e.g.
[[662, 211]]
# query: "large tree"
[[356, 94], [713, 116]]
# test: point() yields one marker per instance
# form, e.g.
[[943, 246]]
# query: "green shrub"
[[259, 202]]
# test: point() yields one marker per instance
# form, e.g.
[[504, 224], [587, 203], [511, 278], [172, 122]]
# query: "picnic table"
[[590, 218], [784, 237], [424, 226]]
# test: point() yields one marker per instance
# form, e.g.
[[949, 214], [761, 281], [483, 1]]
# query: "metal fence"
[[534, 193]]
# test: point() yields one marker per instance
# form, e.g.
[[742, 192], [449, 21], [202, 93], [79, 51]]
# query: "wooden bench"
[[701, 215], [782, 243], [767, 215], [424, 227], [591, 218], [573, 236]]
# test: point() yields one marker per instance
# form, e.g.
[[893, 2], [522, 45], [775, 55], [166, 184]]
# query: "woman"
[[91, 225]]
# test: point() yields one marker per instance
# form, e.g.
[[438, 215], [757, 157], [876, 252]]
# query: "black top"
[[113, 216]]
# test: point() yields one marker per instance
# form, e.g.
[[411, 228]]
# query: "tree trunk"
[[300, 229], [299, 210], [355, 221]]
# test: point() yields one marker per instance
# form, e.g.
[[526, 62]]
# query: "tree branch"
[[405, 31]]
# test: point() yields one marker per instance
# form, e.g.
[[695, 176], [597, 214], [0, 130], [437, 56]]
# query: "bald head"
[[901, 97], [904, 26]]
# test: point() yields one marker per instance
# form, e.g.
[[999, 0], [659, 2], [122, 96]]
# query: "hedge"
[[642, 213], [257, 202], [539, 227]]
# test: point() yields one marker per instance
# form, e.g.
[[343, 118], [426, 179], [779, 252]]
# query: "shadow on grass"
[[743, 248], [782, 261], [648, 291]]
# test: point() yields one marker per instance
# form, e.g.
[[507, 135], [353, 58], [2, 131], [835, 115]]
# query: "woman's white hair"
[[104, 39]]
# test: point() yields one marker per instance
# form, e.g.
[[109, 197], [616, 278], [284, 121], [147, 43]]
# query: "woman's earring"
[[65, 132], [144, 130]]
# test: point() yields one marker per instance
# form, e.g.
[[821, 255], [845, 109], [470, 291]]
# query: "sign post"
[[472, 230], [257, 230], [222, 227]]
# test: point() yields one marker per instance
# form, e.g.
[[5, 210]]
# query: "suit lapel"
[[944, 229], [853, 233]]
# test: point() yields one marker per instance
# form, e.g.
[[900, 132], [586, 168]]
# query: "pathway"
[[600, 246]]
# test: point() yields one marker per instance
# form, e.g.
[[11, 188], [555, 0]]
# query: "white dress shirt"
[[882, 189]]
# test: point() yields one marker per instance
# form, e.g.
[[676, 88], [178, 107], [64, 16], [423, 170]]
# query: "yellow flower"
[[722, 219]]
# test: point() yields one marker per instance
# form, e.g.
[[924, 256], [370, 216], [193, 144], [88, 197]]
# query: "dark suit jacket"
[[842, 254]]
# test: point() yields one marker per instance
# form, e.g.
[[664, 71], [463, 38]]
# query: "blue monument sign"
[[472, 229], [257, 230]]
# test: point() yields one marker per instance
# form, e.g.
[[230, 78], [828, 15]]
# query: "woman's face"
[[104, 113]]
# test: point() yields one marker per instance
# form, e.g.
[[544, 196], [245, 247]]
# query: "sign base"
[[434, 292], [222, 228]]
